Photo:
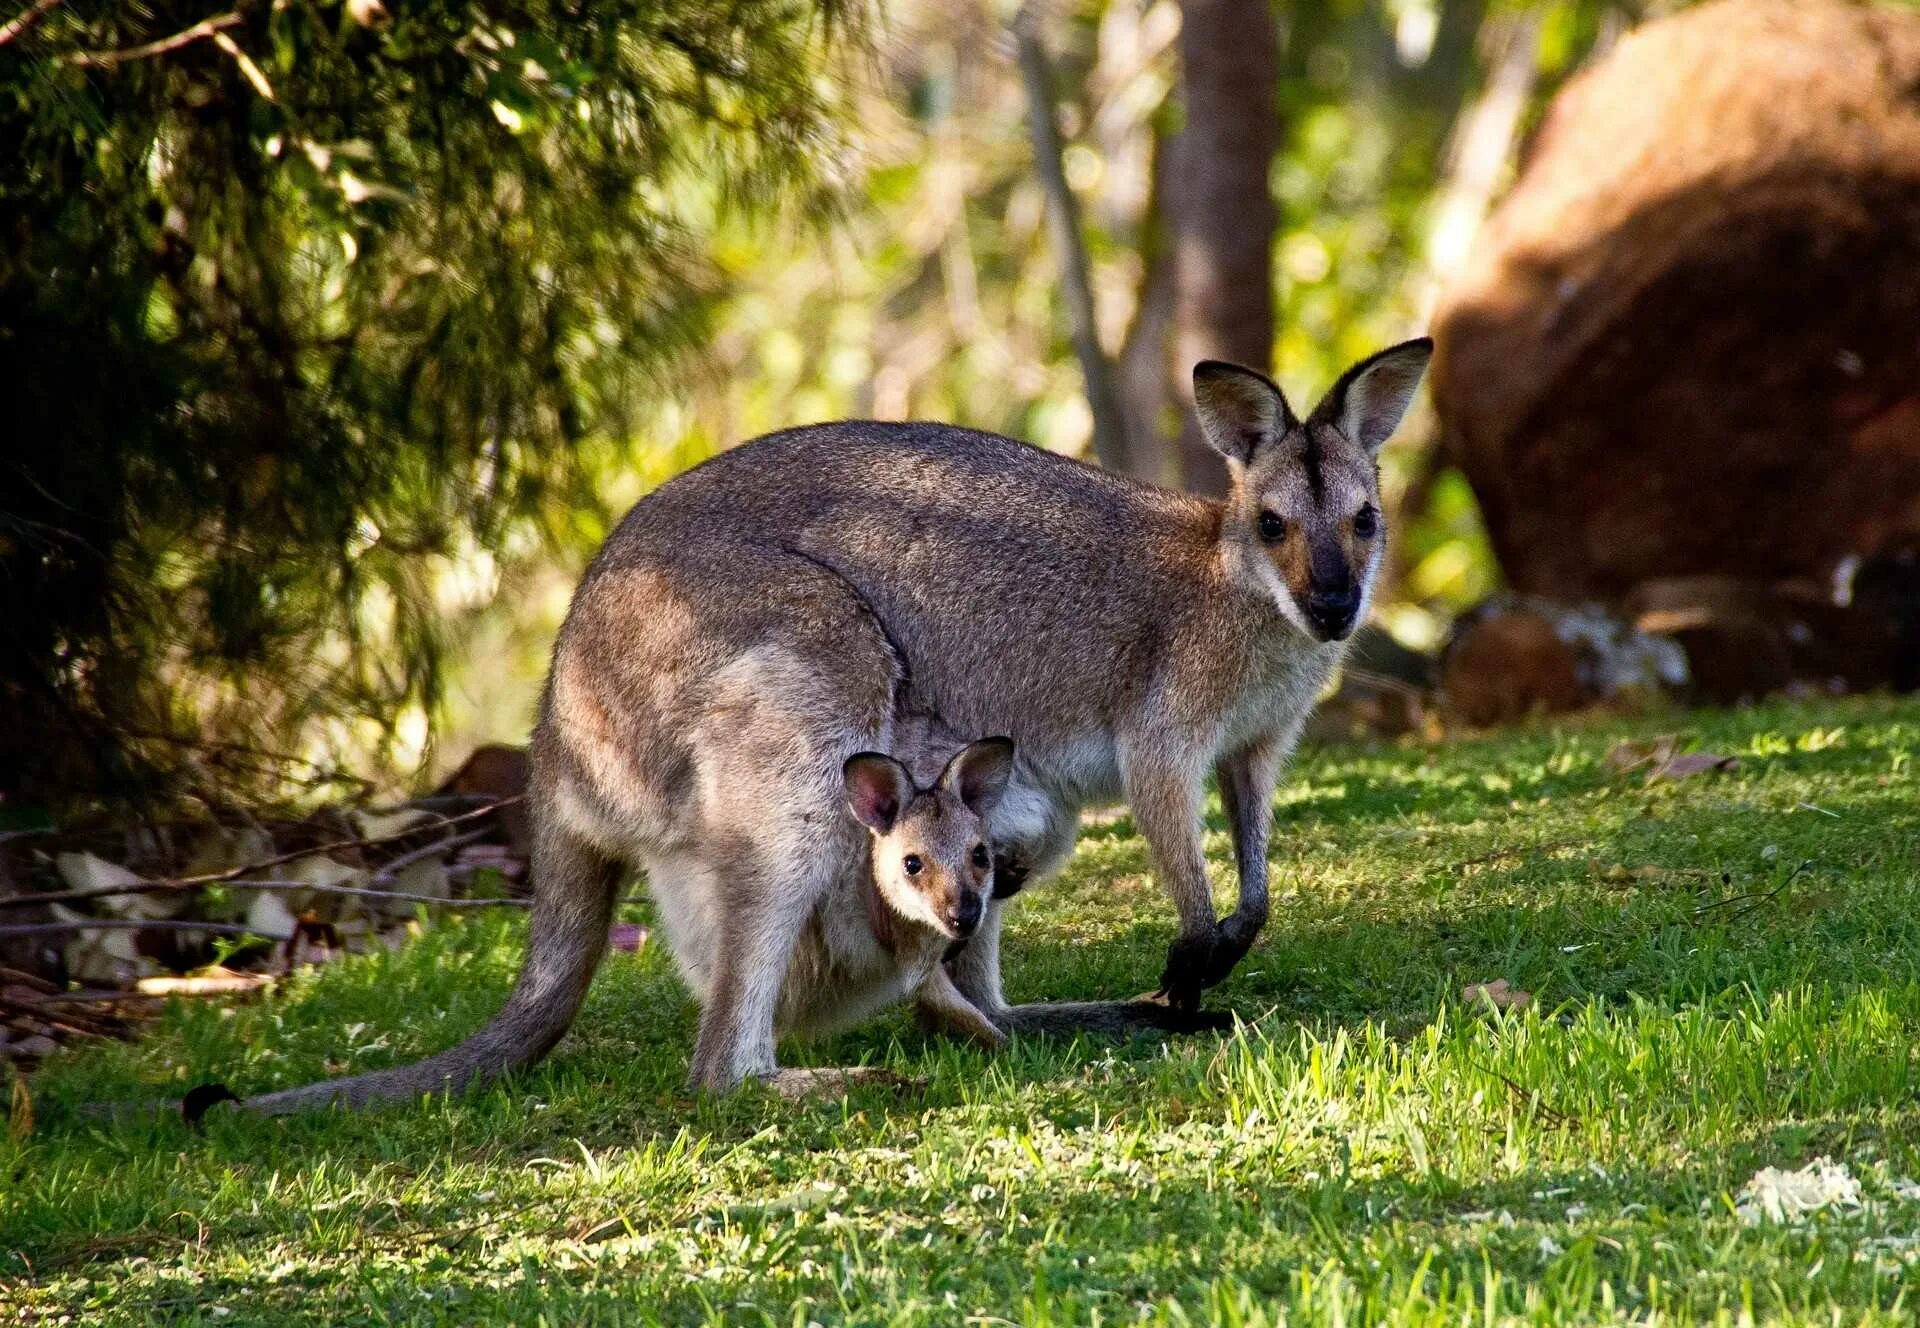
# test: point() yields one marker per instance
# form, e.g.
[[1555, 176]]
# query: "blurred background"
[[334, 336]]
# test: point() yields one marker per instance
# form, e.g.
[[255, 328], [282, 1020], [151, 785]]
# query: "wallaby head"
[[1303, 521], [932, 860]]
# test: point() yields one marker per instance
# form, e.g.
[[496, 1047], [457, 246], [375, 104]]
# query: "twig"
[[248, 69], [22, 24], [206, 27], [1754, 900], [28, 980], [251, 869], [359, 892], [447, 845], [91, 996], [1528, 1096], [130, 924], [1553, 846]]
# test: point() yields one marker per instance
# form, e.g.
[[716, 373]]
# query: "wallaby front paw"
[[832, 1081]]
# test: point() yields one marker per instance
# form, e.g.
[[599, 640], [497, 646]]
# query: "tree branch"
[[206, 27], [20, 25], [1063, 216], [252, 869]]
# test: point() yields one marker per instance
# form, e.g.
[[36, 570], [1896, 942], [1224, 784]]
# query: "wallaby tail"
[[574, 892], [1112, 1018]]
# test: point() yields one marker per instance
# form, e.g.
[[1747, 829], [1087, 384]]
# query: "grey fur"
[[759, 619]]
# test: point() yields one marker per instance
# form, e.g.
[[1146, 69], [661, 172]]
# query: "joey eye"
[[1366, 522], [981, 858], [1272, 528], [912, 863]]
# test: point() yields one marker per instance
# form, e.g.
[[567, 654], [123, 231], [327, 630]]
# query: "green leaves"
[[320, 269]]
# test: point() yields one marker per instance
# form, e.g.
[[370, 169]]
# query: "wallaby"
[[923, 889], [759, 619]]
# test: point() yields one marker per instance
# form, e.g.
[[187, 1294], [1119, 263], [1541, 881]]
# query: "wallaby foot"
[[1197, 962], [831, 1081]]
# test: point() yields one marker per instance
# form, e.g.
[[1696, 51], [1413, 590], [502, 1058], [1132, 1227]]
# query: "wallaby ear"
[[978, 774], [878, 789], [1239, 409], [1372, 397]]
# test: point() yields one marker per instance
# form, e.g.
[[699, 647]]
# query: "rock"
[[1684, 346], [1514, 655], [1508, 665]]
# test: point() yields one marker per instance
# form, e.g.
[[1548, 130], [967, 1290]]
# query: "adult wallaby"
[[759, 619]]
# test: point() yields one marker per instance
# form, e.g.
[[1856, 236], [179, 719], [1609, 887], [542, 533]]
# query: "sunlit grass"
[[1726, 976]]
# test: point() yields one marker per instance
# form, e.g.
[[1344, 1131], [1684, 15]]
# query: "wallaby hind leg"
[[761, 922]]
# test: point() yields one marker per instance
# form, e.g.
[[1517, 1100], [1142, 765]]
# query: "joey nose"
[[1331, 612], [966, 914]]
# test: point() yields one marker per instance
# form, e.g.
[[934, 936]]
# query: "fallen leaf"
[[106, 958], [269, 915], [1661, 758], [1694, 763], [1773, 1195], [385, 825], [84, 871], [222, 849], [628, 936], [1497, 994], [1627, 755], [427, 876]]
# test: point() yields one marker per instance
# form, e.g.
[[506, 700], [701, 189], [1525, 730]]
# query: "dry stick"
[[249, 869], [1553, 846], [1759, 898], [447, 845], [23, 24], [358, 892], [128, 924], [1531, 1097], [206, 27]]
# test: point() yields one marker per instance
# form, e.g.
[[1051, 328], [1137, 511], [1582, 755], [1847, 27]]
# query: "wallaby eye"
[[1365, 522], [1272, 528], [912, 863], [981, 858]]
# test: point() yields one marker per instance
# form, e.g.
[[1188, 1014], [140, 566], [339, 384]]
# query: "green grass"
[[1365, 1149]]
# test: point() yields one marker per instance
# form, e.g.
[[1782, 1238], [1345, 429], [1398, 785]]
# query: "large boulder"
[[1689, 342]]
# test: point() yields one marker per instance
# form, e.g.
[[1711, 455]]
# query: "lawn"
[[1725, 973]]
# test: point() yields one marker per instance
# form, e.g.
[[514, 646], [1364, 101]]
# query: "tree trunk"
[[1110, 443], [1224, 215]]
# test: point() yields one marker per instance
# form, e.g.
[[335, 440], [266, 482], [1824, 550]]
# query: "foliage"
[[1726, 979], [307, 316]]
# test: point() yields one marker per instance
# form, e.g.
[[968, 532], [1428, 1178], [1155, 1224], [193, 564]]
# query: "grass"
[[1366, 1148]]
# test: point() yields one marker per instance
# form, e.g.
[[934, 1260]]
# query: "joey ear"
[[1239, 409], [1372, 397], [978, 774], [878, 789]]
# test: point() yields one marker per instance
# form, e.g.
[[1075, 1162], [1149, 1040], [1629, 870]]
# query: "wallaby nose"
[[1331, 612], [966, 914]]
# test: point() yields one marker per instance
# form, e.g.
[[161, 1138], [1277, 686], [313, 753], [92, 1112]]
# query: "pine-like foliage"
[[301, 300]]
